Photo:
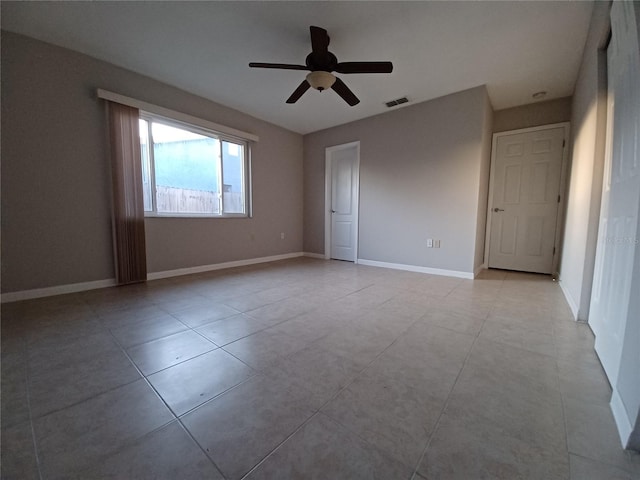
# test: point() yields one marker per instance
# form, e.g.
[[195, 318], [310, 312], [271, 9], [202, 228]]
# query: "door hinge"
[[554, 250], [558, 198], [564, 142]]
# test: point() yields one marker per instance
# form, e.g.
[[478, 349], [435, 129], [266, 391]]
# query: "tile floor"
[[307, 369]]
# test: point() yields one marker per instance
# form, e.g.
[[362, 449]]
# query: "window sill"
[[193, 215]]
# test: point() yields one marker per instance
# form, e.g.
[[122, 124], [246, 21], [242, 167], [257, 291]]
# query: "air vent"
[[398, 101]]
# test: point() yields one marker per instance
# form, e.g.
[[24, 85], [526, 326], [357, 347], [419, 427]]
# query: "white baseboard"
[[416, 268], [314, 255], [570, 300], [625, 428], [219, 266], [81, 287], [57, 290]]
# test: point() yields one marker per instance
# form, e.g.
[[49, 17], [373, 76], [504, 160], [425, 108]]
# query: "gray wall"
[[420, 173], [588, 128], [532, 115], [56, 221]]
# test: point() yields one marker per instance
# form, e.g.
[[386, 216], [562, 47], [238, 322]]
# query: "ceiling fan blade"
[[364, 67], [283, 66], [347, 95], [295, 96], [319, 40]]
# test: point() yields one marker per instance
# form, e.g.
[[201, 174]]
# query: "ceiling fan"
[[321, 62]]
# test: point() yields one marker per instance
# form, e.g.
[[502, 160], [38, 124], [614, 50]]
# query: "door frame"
[[562, 189], [328, 161]]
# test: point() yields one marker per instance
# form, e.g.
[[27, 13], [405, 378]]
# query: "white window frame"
[[150, 117]]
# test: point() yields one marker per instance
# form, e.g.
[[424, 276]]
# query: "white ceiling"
[[515, 48]]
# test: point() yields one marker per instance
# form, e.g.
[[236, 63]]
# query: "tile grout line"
[[318, 410], [358, 375], [176, 417], [446, 403], [27, 378], [565, 424]]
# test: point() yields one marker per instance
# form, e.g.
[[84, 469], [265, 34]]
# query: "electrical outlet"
[[282, 236], [429, 242], [436, 244]]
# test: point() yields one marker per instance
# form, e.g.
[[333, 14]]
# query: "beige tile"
[[537, 323], [586, 469], [635, 462], [14, 402], [165, 454], [410, 370], [397, 309], [18, 456], [454, 320], [248, 301], [422, 364], [242, 426], [261, 349], [53, 327], [577, 333], [230, 329], [322, 372], [199, 315], [360, 345], [123, 318], [472, 448], [49, 355], [62, 386], [584, 383], [421, 333], [158, 354], [193, 382], [467, 303], [412, 333], [147, 329], [517, 336], [529, 411], [308, 327], [380, 322], [71, 440], [592, 433], [182, 299], [395, 417], [539, 370], [281, 311], [324, 449]]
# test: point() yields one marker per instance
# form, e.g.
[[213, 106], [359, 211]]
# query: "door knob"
[[498, 209], [333, 211]]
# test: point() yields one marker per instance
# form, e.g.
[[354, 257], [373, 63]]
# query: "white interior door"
[[617, 240], [343, 162], [527, 168]]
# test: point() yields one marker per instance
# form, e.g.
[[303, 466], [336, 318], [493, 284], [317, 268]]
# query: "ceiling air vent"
[[397, 101]]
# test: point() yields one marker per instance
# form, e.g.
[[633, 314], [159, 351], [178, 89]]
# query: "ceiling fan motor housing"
[[321, 61]]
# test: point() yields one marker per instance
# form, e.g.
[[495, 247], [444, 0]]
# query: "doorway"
[[527, 171], [342, 182]]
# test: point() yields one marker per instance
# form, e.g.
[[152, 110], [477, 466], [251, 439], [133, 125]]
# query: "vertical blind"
[[128, 203]]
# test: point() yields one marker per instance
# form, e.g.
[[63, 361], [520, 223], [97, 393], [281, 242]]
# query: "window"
[[191, 171]]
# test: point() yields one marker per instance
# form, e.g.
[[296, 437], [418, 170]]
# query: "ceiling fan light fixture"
[[321, 80]]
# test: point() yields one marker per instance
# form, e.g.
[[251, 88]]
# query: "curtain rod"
[[183, 117]]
